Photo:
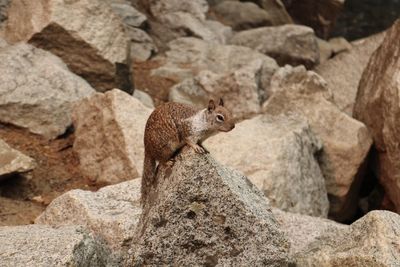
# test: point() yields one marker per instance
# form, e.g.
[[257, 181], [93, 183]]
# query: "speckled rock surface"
[[279, 158], [115, 120], [11, 160], [201, 213], [37, 90], [86, 34]]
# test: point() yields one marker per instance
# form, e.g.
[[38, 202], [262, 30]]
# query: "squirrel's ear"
[[221, 102], [211, 105]]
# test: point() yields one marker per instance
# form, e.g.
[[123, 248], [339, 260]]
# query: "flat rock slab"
[[111, 213], [279, 158], [201, 213], [287, 44], [43, 246], [37, 90], [378, 106], [116, 120], [86, 34], [13, 161]]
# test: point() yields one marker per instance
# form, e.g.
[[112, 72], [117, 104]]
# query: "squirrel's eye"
[[220, 118]]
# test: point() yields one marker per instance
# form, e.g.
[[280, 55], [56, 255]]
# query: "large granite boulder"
[[111, 213], [13, 161], [86, 34], [377, 105], [279, 158], [346, 142], [109, 136], [37, 90], [42, 246], [287, 44], [200, 213], [343, 72]]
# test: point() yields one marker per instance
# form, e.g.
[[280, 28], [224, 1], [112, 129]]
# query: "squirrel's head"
[[219, 118]]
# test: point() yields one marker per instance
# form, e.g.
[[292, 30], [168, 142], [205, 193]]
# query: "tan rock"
[[39, 245], [287, 44], [346, 142], [279, 158], [204, 214], [12, 161], [343, 72], [370, 241], [37, 90], [111, 213], [377, 105], [86, 34], [109, 136]]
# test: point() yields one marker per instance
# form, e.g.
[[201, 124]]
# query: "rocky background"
[[310, 176]]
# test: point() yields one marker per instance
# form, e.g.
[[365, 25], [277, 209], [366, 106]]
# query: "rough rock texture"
[[170, 19], [339, 45], [129, 15], [142, 45], [204, 214], [242, 15], [320, 15], [12, 160], [373, 240], [302, 230], [346, 141], [287, 44], [4, 5], [276, 10], [244, 85], [37, 90], [111, 213], [109, 136], [86, 34], [343, 72], [144, 97], [325, 50], [377, 105], [279, 159], [42, 246]]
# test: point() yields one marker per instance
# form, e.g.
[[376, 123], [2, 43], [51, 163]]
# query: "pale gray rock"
[[325, 50], [111, 213], [13, 161], [144, 97], [339, 45], [86, 34], [370, 241], [279, 158], [37, 90], [142, 46], [287, 44], [276, 10], [242, 15], [201, 213], [109, 136], [377, 105], [346, 142], [198, 8], [343, 72], [43, 246], [129, 15]]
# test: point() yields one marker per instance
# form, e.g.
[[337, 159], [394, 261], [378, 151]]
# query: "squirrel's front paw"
[[199, 149]]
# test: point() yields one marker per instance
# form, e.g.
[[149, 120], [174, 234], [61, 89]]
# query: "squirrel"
[[172, 126]]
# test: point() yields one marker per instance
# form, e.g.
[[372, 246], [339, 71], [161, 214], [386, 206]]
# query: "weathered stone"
[[142, 45], [39, 245], [339, 45], [325, 50], [279, 159], [144, 98], [12, 160], [129, 15], [86, 34], [187, 57], [346, 141], [37, 90], [287, 44], [245, 85], [4, 5], [242, 15], [109, 136], [276, 10], [201, 213], [343, 72], [377, 105], [198, 8], [302, 230], [371, 241], [111, 213], [320, 15]]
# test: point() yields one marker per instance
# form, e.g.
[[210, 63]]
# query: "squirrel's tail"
[[149, 176]]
